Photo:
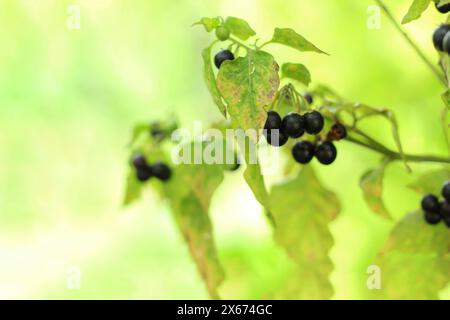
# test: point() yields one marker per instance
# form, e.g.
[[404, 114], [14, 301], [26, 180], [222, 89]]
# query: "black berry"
[[139, 162], [143, 174], [443, 8], [314, 122], [433, 217], [430, 203], [293, 125], [276, 138], [447, 221], [161, 171], [444, 209], [303, 152], [446, 191], [326, 152], [223, 56], [308, 97], [273, 121], [337, 132], [438, 36]]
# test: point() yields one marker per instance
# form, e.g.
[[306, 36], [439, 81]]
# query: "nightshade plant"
[[253, 90]]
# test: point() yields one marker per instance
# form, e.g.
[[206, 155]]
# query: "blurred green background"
[[68, 99]]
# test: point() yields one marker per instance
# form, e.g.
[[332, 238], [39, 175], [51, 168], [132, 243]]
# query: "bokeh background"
[[68, 100]]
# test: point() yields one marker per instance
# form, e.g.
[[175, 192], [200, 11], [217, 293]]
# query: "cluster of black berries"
[[436, 211], [222, 56], [441, 38], [144, 171]]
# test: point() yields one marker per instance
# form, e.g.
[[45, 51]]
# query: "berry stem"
[[393, 155], [239, 43], [419, 52]]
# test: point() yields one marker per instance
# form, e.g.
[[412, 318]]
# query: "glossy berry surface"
[[161, 171], [222, 33], [143, 174], [276, 138], [444, 8], [314, 122], [430, 203], [432, 217], [446, 191], [293, 125], [446, 43], [273, 121], [337, 132], [223, 56], [438, 36], [444, 209], [326, 152], [139, 162], [308, 97], [303, 152]]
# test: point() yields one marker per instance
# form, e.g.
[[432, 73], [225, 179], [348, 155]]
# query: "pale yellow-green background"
[[69, 98]]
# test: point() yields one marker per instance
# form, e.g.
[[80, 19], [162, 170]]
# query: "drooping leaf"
[[133, 188], [297, 72], [189, 192], [415, 10], [290, 38], [415, 260], [210, 80], [430, 182], [248, 84], [255, 181], [372, 185], [209, 23], [240, 28], [302, 209]]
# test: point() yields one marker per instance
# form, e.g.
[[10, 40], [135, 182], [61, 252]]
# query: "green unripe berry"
[[222, 33]]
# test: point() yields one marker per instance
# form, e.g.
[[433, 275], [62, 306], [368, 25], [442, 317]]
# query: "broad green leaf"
[[210, 80], [372, 185], [255, 181], [297, 72], [240, 28], [189, 192], [415, 260], [248, 84], [209, 23], [290, 38], [415, 10], [430, 182], [133, 188], [302, 209]]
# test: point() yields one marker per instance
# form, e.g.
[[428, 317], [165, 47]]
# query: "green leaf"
[[248, 84], [290, 38], [190, 191], [415, 10], [415, 260], [210, 80], [209, 23], [240, 28], [446, 98], [372, 185], [255, 181], [133, 188], [297, 72], [430, 182], [302, 209]]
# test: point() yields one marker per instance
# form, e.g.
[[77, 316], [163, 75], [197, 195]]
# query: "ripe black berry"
[[308, 97], [223, 56], [143, 174], [443, 8], [276, 138], [326, 152], [433, 217], [139, 162], [293, 125], [444, 209], [430, 203], [438, 36], [303, 152], [337, 132], [273, 121], [314, 122], [161, 171], [446, 191]]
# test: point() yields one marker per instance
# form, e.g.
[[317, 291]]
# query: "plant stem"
[[419, 52], [240, 43], [396, 155]]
